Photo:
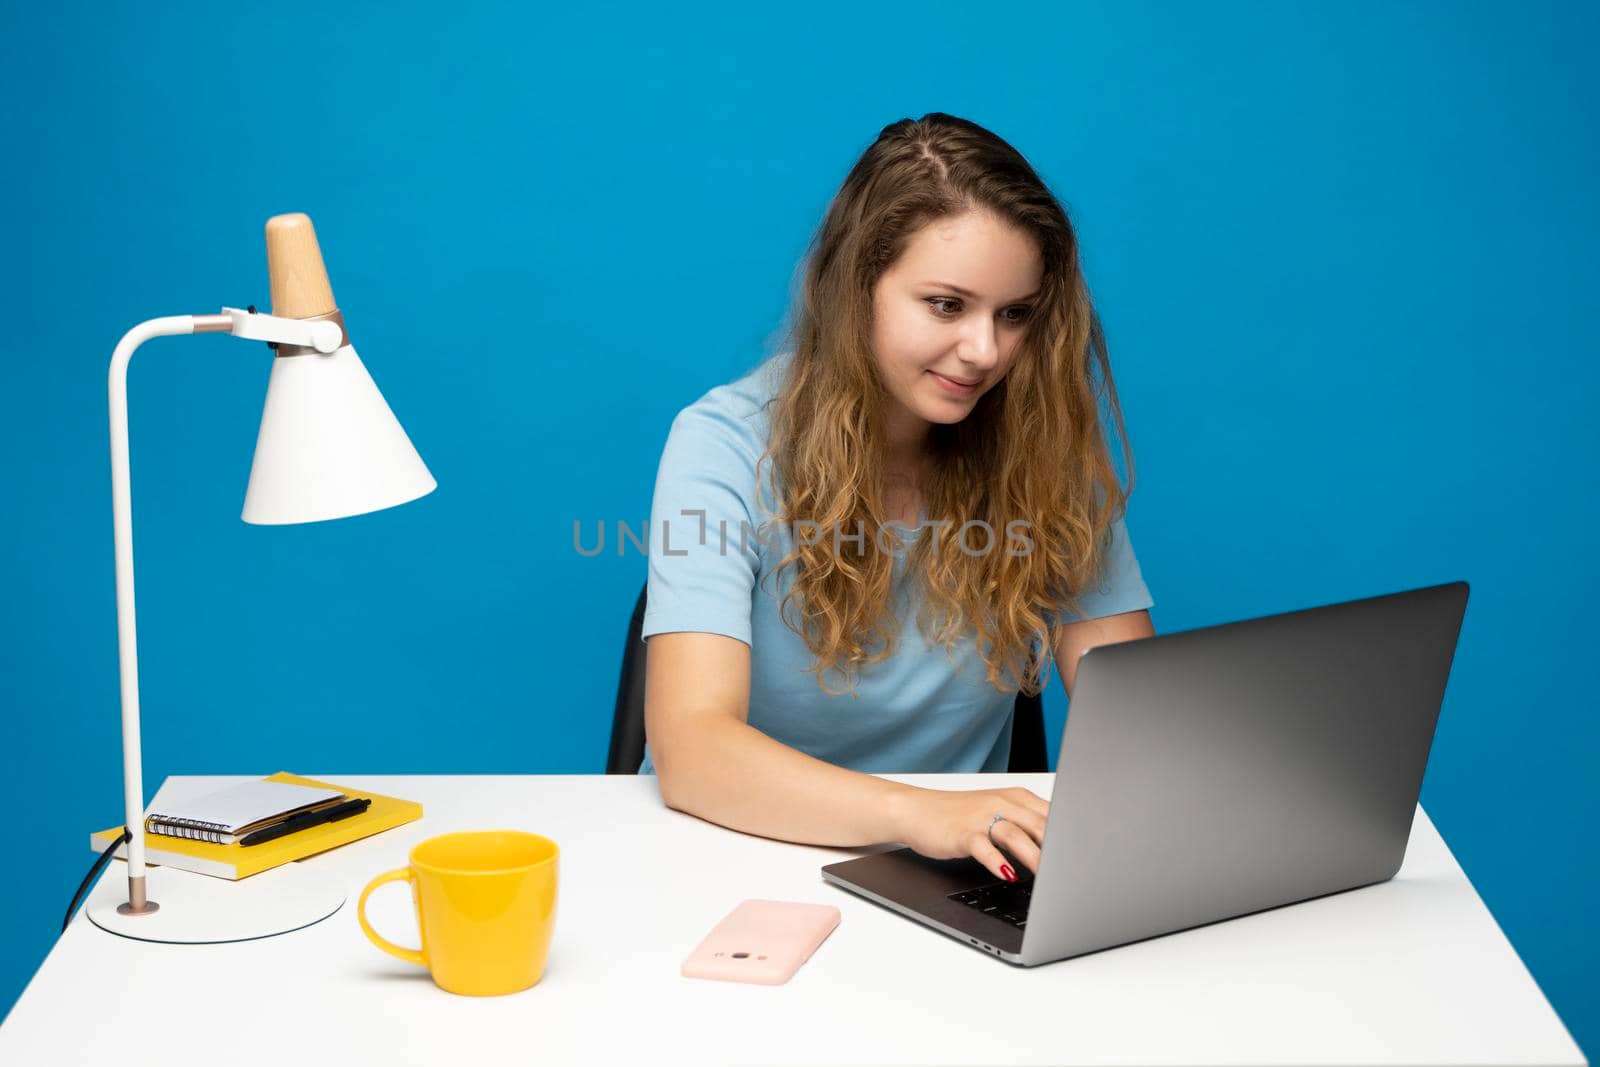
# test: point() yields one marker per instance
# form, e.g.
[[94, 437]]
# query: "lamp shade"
[[329, 446]]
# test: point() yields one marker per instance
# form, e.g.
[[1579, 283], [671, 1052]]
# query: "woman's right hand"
[[949, 824]]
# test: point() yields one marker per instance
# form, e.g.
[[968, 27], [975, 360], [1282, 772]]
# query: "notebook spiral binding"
[[190, 829]]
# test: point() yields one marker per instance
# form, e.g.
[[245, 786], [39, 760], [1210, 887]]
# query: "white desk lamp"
[[329, 447]]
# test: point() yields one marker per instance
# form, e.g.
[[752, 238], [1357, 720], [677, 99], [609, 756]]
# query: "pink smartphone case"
[[762, 941]]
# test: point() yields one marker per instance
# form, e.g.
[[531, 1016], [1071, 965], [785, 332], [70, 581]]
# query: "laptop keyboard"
[[1006, 901]]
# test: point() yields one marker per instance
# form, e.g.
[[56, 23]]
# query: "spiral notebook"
[[226, 815], [237, 861]]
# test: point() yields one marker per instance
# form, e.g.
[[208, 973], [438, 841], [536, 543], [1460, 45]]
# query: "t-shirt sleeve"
[[1121, 590], [704, 556]]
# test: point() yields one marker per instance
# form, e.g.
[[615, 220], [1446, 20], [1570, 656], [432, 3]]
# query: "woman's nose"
[[982, 348]]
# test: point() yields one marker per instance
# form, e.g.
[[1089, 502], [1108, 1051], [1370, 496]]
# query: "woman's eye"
[[1022, 318], [937, 304]]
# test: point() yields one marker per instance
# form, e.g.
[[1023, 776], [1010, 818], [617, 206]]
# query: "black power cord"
[[94, 872]]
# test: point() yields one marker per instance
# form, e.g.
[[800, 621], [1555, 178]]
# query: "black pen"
[[305, 819]]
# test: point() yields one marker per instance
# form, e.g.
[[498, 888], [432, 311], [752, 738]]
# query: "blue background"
[[1345, 255]]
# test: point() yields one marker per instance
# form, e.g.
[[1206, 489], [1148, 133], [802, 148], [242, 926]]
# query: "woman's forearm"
[[738, 777]]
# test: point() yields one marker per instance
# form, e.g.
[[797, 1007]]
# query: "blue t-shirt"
[[916, 711]]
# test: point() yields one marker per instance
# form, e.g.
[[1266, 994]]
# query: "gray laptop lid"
[[1211, 773]]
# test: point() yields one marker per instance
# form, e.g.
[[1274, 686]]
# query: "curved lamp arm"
[[324, 337]]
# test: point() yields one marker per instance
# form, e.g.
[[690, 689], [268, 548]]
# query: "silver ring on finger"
[[992, 821]]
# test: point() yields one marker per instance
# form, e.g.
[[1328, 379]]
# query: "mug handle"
[[410, 955]]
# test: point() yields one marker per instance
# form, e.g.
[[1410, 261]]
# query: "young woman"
[[915, 498]]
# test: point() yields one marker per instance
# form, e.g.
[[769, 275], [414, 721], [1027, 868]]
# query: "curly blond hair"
[[1033, 448]]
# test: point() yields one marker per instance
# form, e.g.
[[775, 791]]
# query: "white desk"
[[1414, 971]]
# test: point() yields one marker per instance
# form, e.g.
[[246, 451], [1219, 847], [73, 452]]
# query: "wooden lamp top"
[[299, 281]]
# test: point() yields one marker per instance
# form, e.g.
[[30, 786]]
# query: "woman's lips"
[[954, 387]]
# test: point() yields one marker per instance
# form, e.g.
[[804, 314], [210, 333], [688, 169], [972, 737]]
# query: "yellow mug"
[[486, 907]]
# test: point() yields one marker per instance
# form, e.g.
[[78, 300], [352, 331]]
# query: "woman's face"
[[948, 315]]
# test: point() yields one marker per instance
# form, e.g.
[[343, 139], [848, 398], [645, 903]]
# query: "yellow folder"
[[238, 861]]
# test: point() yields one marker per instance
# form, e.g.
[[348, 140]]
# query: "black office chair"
[[1028, 752]]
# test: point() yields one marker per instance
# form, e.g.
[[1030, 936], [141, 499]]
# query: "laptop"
[[1208, 774]]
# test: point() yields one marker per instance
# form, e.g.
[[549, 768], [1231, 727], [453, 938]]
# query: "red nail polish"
[[1007, 873]]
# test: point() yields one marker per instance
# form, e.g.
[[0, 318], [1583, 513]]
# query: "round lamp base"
[[197, 909]]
